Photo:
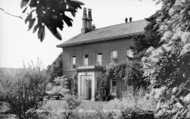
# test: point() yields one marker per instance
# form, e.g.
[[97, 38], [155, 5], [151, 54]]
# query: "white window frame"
[[74, 60], [114, 54], [86, 62], [99, 58]]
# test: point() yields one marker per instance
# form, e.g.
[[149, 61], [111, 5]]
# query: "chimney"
[[89, 23], [84, 21], [130, 19], [126, 20]]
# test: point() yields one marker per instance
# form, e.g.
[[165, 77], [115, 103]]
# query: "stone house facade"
[[95, 47]]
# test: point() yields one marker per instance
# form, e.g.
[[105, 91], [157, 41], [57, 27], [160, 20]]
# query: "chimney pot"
[[126, 20], [130, 19]]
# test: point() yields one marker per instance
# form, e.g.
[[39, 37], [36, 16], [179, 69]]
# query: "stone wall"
[[121, 45]]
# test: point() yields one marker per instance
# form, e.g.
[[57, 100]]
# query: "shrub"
[[103, 90], [25, 91], [134, 75], [72, 103], [125, 74], [55, 69]]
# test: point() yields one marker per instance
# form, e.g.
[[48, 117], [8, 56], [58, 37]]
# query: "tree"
[[167, 63], [56, 68], [172, 24], [24, 91], [52, 14]]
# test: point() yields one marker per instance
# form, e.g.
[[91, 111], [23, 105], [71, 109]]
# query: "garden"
[[153, 84]]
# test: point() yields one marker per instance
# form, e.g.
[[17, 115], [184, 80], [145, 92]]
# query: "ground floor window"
[[113, 87]]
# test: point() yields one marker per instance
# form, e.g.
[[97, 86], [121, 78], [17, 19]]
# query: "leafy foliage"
[[24, 91], [72, 103], [172, 24], [103, 90], [166, 65], [55, 69], [52, 14], [174, 70], [134, 75], [117, 73], [126, 74], [149, 38]]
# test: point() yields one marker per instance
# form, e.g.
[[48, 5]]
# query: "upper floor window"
[[99, 58], [130, 53], [114, 54], [74, 60], [86, 60]]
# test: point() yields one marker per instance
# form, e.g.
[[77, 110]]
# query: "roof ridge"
[[119, 24], [111, 31], [106, 27]]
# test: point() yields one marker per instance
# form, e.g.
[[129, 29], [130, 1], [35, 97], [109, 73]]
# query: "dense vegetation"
[[166, 59], [161, 65], [172, 23], [23, 91], [56, 68], [49, 14]]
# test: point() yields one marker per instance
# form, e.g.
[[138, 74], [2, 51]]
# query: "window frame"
[[99, 58], [74, 60], [128, 51], [114, 54], [86, 60]]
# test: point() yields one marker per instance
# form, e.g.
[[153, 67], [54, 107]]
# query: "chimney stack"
[[87, 21], [84, 21]]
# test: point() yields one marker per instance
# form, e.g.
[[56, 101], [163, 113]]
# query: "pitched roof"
[[107, 33]]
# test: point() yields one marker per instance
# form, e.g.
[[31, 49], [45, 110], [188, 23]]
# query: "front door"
[[89, 89], [85, 86]]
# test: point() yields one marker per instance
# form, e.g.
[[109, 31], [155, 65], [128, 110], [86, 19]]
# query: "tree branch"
[[3, 10]]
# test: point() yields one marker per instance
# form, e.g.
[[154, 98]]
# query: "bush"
[[103, 87], [137, 114], [24, 91], [55, 69], [134, 75]]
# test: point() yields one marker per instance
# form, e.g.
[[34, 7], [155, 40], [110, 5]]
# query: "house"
[[95, 47]]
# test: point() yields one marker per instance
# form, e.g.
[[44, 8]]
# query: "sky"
[[18, 46]]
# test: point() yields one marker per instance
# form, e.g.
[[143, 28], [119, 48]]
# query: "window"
[[99, 58], [113, 86], [74, 60], [114, 54], [130, 53], [86, 60]]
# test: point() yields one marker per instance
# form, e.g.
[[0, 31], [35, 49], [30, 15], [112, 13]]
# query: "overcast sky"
[[18, 46]]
